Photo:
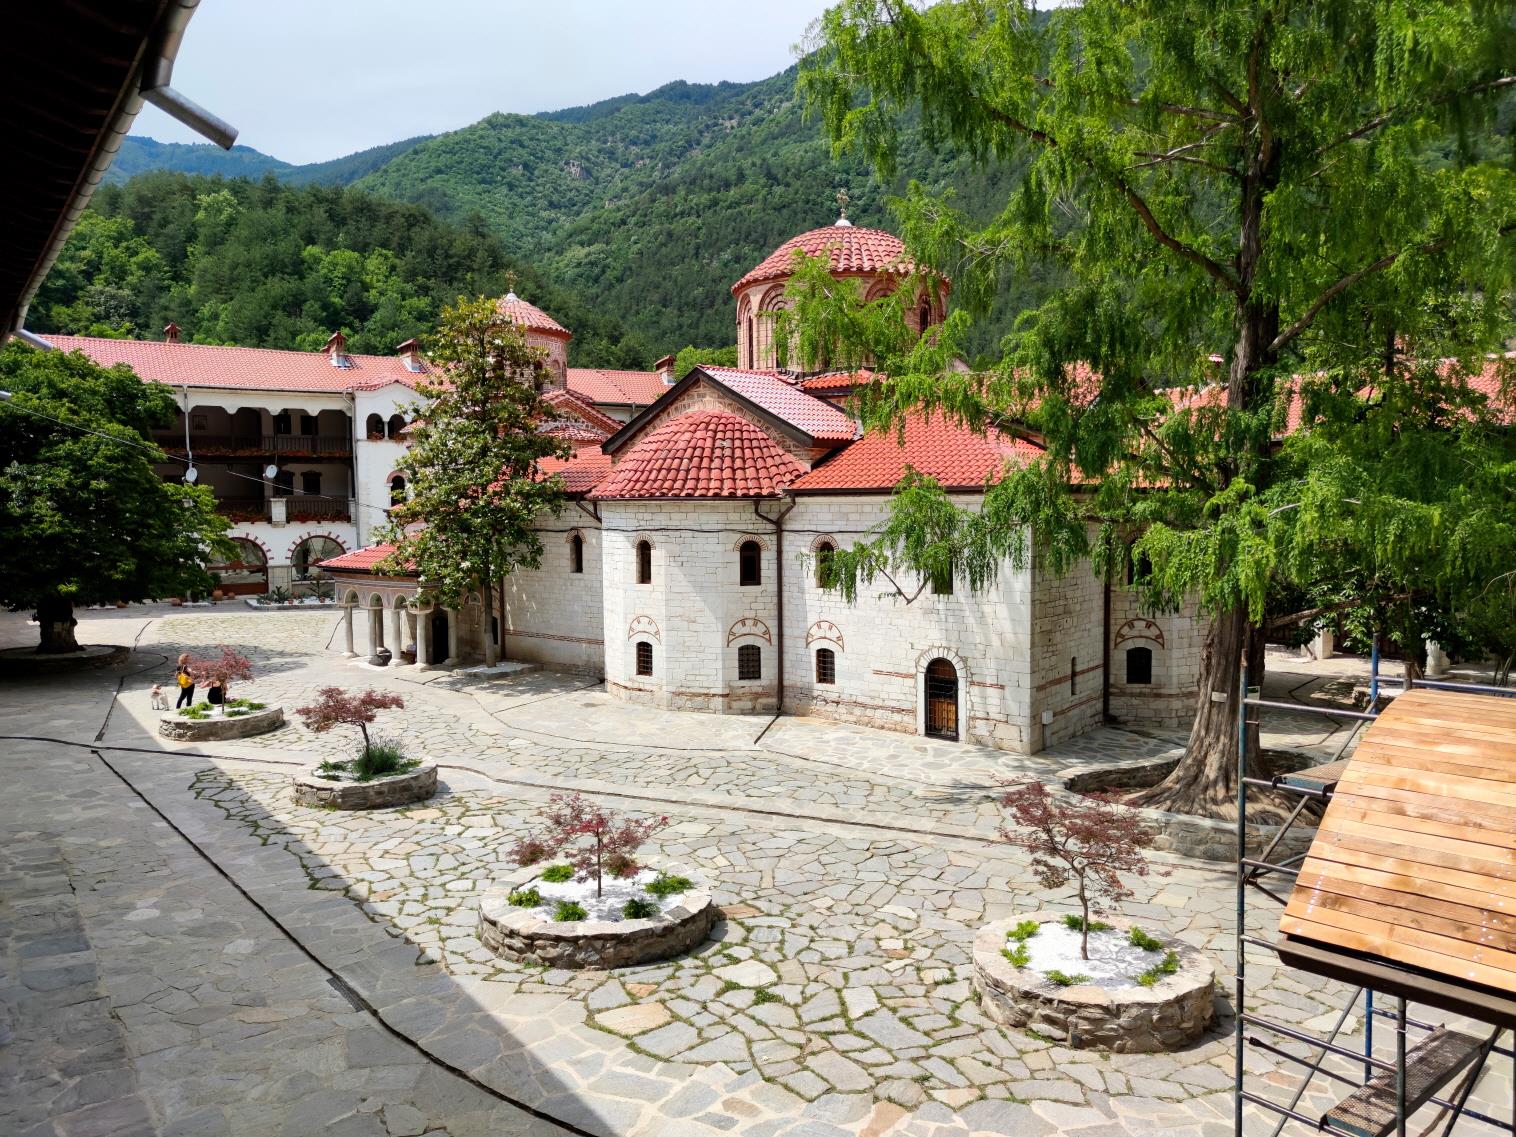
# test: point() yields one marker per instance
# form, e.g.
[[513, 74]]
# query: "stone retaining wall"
[[27, 662], [1172, 1013], [176, 726], [524, 934], [382, 793]]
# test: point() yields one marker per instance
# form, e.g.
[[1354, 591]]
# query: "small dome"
[[702, 454], [852, 248], [529, 316]]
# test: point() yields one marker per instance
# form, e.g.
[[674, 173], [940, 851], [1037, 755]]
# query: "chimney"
[[171, 333], [665, 369], [336, 349], [410, 355]]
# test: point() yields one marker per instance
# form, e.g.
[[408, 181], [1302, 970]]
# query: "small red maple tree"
[[1087, 840], [613, 839], [335, 707], [220, 669]]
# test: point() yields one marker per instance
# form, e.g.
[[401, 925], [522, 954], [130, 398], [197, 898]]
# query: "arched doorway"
[[246, 573], [438, 645], [942, 700]]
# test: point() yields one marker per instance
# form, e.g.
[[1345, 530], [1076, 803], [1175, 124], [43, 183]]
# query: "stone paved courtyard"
[[187, 951]]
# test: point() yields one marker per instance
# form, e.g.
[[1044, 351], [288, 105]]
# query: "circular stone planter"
[[28, 662], [1172, 1013], [527, 935], [219, 729], [381, 793]]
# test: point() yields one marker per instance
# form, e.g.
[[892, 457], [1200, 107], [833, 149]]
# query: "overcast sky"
[[307, 80]]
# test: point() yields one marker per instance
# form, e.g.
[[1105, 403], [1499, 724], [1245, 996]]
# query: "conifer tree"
[[1233, 195], [472, 466]]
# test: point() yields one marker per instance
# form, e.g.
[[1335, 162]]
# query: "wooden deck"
[[1415, 859]]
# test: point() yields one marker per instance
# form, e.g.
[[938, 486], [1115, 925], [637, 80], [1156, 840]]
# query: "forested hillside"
[[265, 264], [139, 155]]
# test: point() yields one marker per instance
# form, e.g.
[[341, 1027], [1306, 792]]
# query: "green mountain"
[[140, 155]]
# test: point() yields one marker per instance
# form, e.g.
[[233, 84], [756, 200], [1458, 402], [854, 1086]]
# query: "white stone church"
[[686, 567]]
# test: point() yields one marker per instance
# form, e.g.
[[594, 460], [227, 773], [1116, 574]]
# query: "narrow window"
[[309, 428], [576, 553], [284, 483], [749, 563], [374, 427], [942, 581], [1139, 665], [1138, 568], [824, 553], [281, 424], [645, 564], [644, 659], [924, 318], [397, 490], [749, 662], [310, 482], [1073, 675], [826, 665], [750, 361], [397, 426]]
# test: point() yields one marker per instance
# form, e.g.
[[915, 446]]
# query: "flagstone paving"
[[834, 998]]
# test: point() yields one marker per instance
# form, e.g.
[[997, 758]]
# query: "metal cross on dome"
[[842, 200]]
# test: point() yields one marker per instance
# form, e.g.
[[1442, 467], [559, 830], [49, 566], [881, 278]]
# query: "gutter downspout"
[[778, 524], [1105, 663], [158, 73]]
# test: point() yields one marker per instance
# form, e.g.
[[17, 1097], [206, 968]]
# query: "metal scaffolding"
[[1418, 1062]]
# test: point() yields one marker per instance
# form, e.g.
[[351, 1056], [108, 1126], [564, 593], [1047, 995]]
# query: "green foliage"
[[472, 462], [525, 898], [1059, 979], [86, 518], [1024, 930], [1152, 975], [271, 265], [1019, 956], [691, 357], [663, 885], [1076, 923], [763, 995], [331, 770], [568, 910], [1140, 939], [639, 908], [380, 758], [557, 874]]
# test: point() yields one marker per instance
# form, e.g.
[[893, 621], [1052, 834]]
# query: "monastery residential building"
[[687, 568]]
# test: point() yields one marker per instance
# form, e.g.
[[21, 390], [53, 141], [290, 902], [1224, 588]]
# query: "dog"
[[160, 700]]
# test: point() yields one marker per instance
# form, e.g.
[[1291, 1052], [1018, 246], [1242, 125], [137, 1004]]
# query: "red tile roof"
[[574, 407], [530, 316], [851, 249], [583, 472], [784, 400], [837, 380], [359, 560], [621, 388], [957, 456], [246, 368], [702, 454]]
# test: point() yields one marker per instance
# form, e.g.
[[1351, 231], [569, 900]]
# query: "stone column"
[[395, 633], [347, 631], [452, 638], [423, 638]]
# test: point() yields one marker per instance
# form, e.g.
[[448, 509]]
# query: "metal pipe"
[[1241, 893], [1480, 688], [778, 524], [1400, 1066], [1315, 1067], [1374, 672], [158, 73], [1309, 1040], [1298, 707], [32, 339]]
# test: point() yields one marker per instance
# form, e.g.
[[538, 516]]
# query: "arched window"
[[644, 659], [826, 665], [310, 482], [645, 564], [1139, 665], [749, 662], [942, 581], [396, 426], [397, 490], [750, 563], [576, 553], [924, 317], [824, 553], [1138, 568], [311, 552], [374, 427], [247, 570], [750, 361]]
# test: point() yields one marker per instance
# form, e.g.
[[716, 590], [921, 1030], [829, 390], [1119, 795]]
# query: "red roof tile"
[[583, 472], [575, 407], [837, 380], [784, 400], [621, 388], [256, 368], [702, 454], [851, 249], [530, 316], [359, 560], [957, 456]]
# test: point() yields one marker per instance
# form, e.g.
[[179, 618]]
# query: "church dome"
[[851, 248], [529, 316]]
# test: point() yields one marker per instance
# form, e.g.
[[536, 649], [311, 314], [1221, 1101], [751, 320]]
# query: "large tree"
[[476, 490], [1234, 194], [85, 517]]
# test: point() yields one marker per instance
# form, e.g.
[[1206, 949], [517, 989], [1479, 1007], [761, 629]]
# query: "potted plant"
[[376, 758]]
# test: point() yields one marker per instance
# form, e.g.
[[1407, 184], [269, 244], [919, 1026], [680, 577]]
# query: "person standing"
[[186, 682]]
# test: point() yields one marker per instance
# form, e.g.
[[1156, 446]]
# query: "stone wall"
[[219, 729], [382, 793], [1067, 656], [1175, 640], [554, 616]]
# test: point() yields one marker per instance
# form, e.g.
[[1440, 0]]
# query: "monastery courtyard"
[[188, 952]]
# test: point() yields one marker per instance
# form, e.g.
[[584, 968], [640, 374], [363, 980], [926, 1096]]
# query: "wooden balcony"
[[318, 446], [298, 509]]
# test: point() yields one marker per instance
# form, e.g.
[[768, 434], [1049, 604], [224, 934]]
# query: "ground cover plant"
[[378, 756]]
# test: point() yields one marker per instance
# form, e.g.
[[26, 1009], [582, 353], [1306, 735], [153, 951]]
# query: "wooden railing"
[[259, 445], [297, 508]]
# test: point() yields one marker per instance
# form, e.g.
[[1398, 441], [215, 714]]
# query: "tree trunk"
[[1205, 781], [55, 619], [487, 593]]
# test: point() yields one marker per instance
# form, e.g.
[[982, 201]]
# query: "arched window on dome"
[[750, 342]]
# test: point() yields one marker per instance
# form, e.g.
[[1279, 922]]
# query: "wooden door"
[[942, 700]]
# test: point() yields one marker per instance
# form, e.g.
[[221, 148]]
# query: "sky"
[[308, 80]]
